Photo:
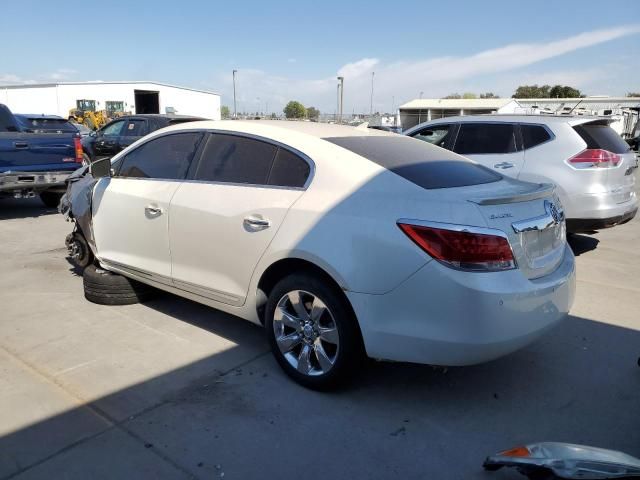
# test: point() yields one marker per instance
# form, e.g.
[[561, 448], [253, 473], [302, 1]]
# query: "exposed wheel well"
[[285, 267]]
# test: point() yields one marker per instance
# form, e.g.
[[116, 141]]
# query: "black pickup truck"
[[123, 131], [36, 161]]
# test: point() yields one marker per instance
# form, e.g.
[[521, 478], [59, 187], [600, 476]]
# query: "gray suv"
[[592, 167]]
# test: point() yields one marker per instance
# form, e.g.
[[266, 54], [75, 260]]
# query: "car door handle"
[[154, 211], [503, 165], [257, 222], [21, 144]]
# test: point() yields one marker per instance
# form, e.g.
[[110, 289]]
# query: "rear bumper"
[[442, 316], [33, 181], [577, 225]]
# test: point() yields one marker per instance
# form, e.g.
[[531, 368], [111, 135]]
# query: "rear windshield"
[[423, 164], [46, 125], [601, 135]]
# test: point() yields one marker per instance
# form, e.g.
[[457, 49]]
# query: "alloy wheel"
[[306, 333]]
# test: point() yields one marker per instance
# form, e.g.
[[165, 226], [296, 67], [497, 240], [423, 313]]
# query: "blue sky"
[[294, 49]]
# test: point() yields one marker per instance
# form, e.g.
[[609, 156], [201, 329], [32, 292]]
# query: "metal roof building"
[[126, 97], [422, 110]]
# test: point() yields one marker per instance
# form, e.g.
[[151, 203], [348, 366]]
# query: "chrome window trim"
[[295, 151]]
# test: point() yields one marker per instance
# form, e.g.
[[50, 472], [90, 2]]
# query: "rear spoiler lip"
[[542, 190]]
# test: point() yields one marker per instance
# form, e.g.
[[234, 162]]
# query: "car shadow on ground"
[[11, 208], [579, 384], [582, 243]]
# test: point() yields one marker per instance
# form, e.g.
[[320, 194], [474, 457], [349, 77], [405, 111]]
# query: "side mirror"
[[101, 168]]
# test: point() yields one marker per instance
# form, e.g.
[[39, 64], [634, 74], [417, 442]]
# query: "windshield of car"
[[423, 164]]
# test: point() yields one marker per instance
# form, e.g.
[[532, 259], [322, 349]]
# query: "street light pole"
[[421, 94], [235, 109], [341, 90], [371, 103]]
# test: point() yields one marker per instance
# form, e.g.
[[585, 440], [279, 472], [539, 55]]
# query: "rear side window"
[[232, 159], [534, 135], [46, 125], [167, 157], [439, 135], [289, 170], [600, 135], [486, 138], [134, 128], [418, 162]]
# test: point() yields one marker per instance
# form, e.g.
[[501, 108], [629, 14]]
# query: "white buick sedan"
[[342, 242]]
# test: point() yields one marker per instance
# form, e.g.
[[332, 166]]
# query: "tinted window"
[[227, 158], [45, 125], [478, 138], [418, 162], [164, 157], [436, 134], [533, 135], [288, 170], [113, 129], [134, 128], [600, 135]]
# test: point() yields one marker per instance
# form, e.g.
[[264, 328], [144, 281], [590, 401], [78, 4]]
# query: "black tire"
[[108, 288], [51, 199], [349, 355]]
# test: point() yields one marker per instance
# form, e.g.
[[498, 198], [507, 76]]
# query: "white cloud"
[[61, 74], [406, 78]]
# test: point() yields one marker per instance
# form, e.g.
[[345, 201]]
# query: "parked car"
[[123, 131], [35, 160], [340, 241], [591, 166]]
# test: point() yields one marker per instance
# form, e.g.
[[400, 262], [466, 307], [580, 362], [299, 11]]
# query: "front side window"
[[166, 157], [436, 135], [233, 159], [113, 129], [486, 138]]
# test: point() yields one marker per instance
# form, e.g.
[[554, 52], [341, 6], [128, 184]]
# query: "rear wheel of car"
[[108, 288], [312, 332], [50, 199]]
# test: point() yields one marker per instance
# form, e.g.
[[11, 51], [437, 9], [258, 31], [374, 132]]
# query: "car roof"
[[159, 116], [521, 118], [261, 127]]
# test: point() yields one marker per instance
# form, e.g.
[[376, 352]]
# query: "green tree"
[[564, 91], [633, 94], [532, 91], [224, 111], [469, 95], [453, 96], [489, 95], [294, 109], [313, 113]]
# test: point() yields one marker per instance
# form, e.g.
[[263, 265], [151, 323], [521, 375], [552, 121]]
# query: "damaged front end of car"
[[549, 460], [75, 206]]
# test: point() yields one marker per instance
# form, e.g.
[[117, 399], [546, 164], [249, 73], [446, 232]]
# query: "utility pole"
[[371, 103], [340, 98], [235, 110]]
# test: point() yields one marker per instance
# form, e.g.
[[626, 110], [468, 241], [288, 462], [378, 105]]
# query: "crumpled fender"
[[76, 202]]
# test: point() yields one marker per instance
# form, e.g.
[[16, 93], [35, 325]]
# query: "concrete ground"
[[173, 389]]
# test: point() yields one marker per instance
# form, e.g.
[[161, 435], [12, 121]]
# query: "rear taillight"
[[462, 249], [77, 145], [595, 158]]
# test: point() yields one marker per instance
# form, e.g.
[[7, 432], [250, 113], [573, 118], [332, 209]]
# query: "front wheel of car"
[[312, 332]]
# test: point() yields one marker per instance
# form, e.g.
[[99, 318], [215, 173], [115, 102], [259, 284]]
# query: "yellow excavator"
[[85, 113]]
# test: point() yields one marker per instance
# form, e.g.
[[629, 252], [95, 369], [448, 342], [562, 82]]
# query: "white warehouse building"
[[127, 97]]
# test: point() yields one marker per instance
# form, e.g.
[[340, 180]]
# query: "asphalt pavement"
[[173, 389]]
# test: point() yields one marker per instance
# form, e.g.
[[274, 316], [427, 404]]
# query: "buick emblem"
[[551, 208]]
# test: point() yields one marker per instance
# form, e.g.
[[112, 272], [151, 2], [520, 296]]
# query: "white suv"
[[591, 166], [340, 241]]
